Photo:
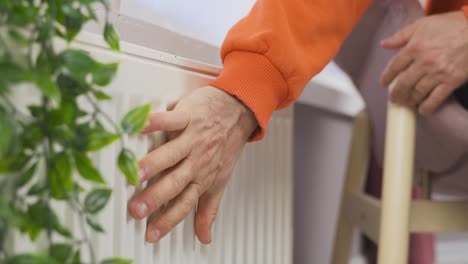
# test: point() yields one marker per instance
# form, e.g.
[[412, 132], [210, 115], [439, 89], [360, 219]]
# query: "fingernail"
[[141, 174], [153, 235], [141, 209]]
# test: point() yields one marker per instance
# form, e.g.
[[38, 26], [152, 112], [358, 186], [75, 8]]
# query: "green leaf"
[[40, 217], [62, 230], [18, 37], [63, 134], [104, 73], [73, 20], [60, 176], [101, 96], [33, 231], [26, 176], [30, 259], [77, 258], [116, 261], [47, 86], [111, 37], [99, 138], [78, 63], [61, 252], [11, 72], [86, 168], [73, 25], [135, 120], [128, 165], [11, 215], [91, 13], [31, 135], [46, 60], [36, 111], [95, 226], [65, 114], [96, 200], [37, 188], [70, 86], [13, 163], [22, 14], [8, 134], [45, 31]]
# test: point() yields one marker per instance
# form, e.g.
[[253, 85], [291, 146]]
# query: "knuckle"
[[206, 158], [415, 46], [179, 180], [419, 90], [176, 156], [152, 200], [197, 188], [187, 205], [429, 59], [164, 224], [202, 121], [403, 83], [441, 67]]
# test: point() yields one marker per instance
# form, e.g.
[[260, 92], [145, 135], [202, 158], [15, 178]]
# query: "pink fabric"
[[421, 245]]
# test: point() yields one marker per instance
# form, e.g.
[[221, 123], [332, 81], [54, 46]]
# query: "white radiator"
[[254, 225]]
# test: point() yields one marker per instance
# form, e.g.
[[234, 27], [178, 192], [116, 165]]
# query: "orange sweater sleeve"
[[271, 54], [465, 11]]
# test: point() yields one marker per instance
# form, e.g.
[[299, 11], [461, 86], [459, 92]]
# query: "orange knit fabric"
[[465, 10], [441, 6], [271, 54]]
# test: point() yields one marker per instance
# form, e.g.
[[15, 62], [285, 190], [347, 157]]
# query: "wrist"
[[246, 123]]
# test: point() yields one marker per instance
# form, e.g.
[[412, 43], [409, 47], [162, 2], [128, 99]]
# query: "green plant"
[[44, 143]]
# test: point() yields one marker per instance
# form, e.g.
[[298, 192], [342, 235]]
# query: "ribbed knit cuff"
[[255, 81], [465, 10]]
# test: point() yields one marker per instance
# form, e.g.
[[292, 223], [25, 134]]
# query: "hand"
[[208, 129], [432, 61]]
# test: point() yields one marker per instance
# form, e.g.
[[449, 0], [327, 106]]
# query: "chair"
[[388, 222], [440, 146]]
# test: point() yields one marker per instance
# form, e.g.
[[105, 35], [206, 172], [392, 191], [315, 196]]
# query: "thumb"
[[400, 38]]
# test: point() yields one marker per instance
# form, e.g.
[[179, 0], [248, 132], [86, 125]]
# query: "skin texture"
[[431, 62], [208, 129]]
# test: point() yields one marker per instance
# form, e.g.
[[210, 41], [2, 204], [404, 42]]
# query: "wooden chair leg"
[[397, 183], [354, 182]]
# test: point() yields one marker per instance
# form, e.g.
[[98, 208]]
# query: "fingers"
[[423, 88], [398, 64], [164, 157], [400, 38], [172, 105], [164, 189], [435, 99], [174, 213], [205, 216], [167, 121], [405, 84]]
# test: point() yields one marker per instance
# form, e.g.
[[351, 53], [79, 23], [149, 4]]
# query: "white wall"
[[207, 20]]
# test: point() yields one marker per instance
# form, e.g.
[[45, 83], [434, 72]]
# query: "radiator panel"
[[254, 224]]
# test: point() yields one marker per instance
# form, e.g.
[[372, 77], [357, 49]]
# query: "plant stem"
[[75, 205], [106, 117]]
